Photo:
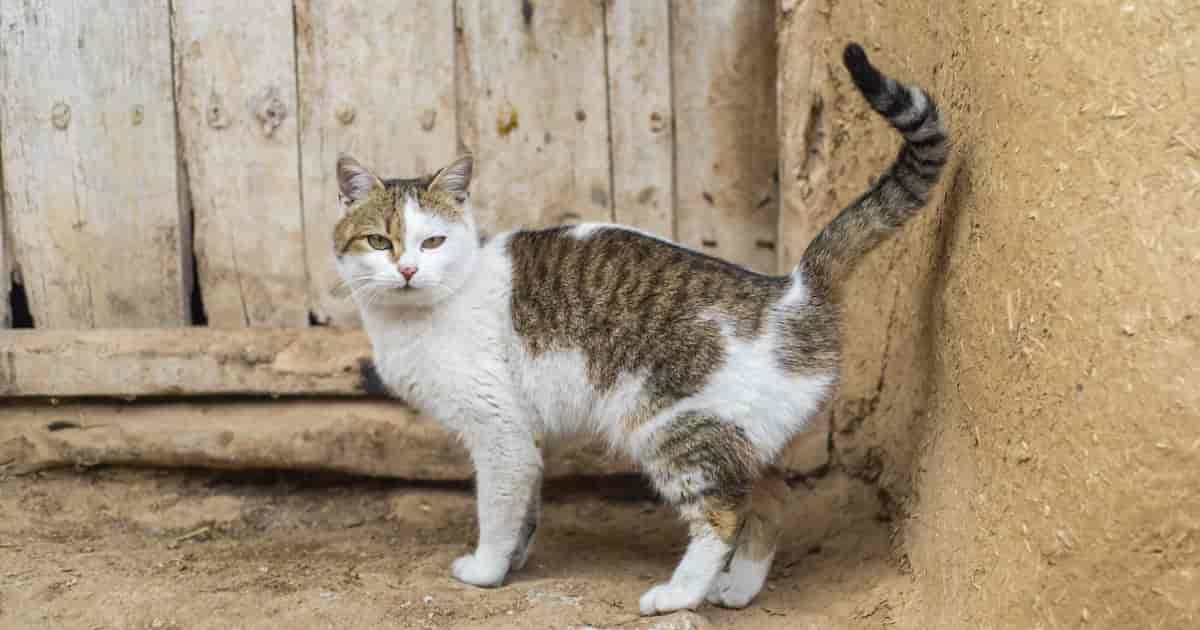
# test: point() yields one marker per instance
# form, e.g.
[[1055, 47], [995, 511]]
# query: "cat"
[[698, 369]]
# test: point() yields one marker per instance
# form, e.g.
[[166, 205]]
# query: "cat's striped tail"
[[902, 189]]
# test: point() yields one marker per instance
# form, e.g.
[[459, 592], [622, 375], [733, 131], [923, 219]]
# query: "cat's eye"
[[433, 242], [379, 241]]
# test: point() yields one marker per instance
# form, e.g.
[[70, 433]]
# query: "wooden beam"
[[189, 361], [377, 438], [364, 437]]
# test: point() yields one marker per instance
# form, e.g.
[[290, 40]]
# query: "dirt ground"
[[146, 549]]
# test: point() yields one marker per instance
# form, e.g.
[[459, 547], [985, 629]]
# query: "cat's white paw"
[[479, 572], [664, 598], [727, 592]]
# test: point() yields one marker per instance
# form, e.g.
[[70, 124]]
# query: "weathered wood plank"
[[532, 106], [366, 437], [235, 83], [378, 438], [377, 80], [87, 125], [723, 65], [192, 361], [6, 266], [639, 84], [805, 138]]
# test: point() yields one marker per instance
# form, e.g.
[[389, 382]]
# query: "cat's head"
[[404, 242]]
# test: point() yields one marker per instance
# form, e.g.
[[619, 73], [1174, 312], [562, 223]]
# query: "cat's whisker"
[[365, 276]]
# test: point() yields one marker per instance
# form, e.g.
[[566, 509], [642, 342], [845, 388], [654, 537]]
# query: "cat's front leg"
[[508, 474], [529, 527]]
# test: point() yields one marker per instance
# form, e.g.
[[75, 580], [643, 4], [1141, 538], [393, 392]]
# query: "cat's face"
[[407, 242]]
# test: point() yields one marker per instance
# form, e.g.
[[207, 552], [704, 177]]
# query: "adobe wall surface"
[[1022, 378]]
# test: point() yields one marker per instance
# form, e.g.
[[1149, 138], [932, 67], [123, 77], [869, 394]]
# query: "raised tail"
[[902, 189]]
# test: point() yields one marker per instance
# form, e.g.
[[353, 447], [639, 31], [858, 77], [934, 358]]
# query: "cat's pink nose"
[[408, 271]]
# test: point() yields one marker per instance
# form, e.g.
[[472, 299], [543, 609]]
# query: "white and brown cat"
[[698, 369]]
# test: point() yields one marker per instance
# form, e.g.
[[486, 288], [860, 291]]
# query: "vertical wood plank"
[[533, 108], [639, 84], [805, 144], [723, 62], [376, 79], [236, 93], [5, 259], [87, 122]]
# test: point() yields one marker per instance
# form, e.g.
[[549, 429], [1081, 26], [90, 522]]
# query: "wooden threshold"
[[182, 361], [379, 438]]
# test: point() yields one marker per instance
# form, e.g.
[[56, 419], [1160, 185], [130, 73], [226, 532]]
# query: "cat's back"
[[648, 323], [571, 283]]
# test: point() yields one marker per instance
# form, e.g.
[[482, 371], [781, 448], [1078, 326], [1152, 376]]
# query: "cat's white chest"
[[402, 360], [452, 365]]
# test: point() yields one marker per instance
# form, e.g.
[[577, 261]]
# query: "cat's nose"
[[408, 271]]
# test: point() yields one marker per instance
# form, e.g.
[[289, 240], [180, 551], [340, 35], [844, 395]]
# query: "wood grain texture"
[[805, 136], [190, 361], [235, 83], [532, 106], [6, 266], [726, 151], [376, 80], [362, 437], [639, 84], [87, 126]]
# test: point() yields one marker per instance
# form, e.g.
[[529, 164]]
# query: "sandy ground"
[[120, 548]]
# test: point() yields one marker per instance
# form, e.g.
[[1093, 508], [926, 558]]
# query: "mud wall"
[[1022, 380]]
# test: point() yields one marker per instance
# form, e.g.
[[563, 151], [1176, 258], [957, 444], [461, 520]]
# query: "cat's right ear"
[[355, 181], [455, 178]]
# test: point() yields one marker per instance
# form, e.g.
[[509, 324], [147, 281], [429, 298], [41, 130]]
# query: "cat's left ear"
[[455, 178]]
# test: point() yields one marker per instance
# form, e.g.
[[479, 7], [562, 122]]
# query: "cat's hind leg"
[[757, 541], [704, 466]]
